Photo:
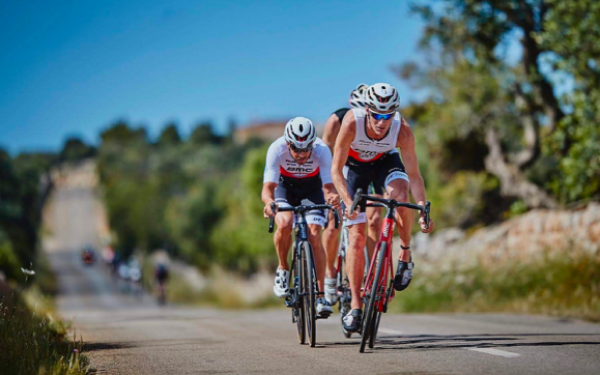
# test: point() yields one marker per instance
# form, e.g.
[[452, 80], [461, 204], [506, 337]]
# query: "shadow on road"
[[95, 346], [428, 342]]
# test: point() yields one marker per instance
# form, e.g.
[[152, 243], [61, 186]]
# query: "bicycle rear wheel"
[[298, 309], [372, 296], [309, 293], [345, 296]]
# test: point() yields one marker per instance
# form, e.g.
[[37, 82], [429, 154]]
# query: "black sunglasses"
[[296, 149]]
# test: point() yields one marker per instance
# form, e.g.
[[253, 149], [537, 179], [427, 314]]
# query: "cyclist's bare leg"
[[331, 240], [314, 236], [398, 190], [283, 237], [374, 217], [355, 261]]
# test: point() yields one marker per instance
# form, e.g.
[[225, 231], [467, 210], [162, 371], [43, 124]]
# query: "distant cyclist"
[[361, 158], [298, 168], [374, 215], [161, 276]]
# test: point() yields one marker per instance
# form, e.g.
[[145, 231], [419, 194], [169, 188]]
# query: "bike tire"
[[298, 310], [309, 294], [340, 275], [375, 328], [369, 314]]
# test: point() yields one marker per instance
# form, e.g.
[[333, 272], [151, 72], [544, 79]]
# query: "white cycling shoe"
[[281, 286], [323, 308], [331, 290]]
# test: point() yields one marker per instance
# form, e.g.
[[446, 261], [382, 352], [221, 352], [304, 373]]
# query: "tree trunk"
[[512, 181]]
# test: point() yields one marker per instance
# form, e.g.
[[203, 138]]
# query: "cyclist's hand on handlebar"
[[424, 228], [334, 200], [350, 216], [268, 212]]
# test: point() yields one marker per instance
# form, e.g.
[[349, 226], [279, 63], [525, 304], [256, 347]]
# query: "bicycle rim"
[[369, 314], [309, 296], [298, 310]]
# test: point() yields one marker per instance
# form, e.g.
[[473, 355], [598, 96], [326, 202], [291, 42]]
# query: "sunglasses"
[[296, 149], [379, 116]]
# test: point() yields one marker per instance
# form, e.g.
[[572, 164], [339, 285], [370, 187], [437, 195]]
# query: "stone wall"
[[522, 237]]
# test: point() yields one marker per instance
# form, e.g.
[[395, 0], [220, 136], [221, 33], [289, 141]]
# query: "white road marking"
[[501, 353]]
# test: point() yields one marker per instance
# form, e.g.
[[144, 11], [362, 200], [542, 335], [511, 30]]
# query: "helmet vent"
[[301, 128]]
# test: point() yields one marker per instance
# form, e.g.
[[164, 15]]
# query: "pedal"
[[323, 316]]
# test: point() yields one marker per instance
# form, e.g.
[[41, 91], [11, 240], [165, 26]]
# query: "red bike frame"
[[387, 232]]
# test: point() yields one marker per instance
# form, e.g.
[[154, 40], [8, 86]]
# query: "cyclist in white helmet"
[[298, 168], [374, 215], [362, 157]]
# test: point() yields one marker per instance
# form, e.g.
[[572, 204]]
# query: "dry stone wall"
[[531, 234]]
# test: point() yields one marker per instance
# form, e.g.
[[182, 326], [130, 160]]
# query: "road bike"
[[304, 287], [343, 289], [378, 288]]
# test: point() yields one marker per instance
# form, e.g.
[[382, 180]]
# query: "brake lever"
[[336, 215], [357, 198], [427, 215], [272, 218]]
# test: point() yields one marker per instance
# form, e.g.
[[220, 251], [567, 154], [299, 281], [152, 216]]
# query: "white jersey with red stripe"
[[281, 163], [365, 149]]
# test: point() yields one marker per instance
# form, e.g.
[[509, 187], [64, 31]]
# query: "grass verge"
[[223, 290], [565, 283], [33, 341]]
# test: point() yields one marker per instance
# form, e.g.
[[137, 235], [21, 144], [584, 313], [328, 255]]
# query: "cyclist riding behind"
[[362, 157], [374, 214], [298, 168], [161, 276]]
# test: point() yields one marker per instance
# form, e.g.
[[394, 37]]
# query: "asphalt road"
[[129, 335]]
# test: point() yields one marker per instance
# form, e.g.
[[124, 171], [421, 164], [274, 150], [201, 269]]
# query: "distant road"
[[127, 335]]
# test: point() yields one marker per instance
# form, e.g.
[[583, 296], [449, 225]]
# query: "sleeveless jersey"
[[282, 166], [340, 113], [365, 149]]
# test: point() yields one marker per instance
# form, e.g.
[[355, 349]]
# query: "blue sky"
[[74, 67]]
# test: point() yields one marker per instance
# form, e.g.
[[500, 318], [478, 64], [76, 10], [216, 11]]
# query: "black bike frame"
[[301, 232]]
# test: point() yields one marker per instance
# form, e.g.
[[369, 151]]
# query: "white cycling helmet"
[[382, 98], [357, 96], [300, 132]]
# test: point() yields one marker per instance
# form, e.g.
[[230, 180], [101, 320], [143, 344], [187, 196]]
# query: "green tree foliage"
[[190, 220], [572, 32], [241, 239], [496, 128], [75, 150], [169, 136], [22, 191], [179, 195], [203, 134]]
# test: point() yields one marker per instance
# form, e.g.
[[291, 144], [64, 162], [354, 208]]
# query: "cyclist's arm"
[[332, 128], [331, 195], [342, 147], [406, 142], [268, 192], [270, 178]]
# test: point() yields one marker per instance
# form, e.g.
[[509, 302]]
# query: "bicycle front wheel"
[[372, 296], [298, 309], [308, 273]]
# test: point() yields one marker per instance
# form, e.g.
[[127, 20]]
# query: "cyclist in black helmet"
[[374, 215]]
